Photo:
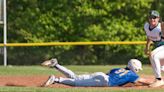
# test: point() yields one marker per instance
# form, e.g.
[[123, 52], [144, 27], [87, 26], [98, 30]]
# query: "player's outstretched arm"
[[139, 82], [142, 81]]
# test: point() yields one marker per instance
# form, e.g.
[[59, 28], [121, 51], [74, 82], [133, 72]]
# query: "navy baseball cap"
[[154, 13]]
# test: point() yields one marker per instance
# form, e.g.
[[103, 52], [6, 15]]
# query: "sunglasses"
[[152, 17]]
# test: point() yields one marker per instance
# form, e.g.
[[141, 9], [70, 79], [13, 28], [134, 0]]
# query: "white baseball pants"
[[156, 57], [86, 80]]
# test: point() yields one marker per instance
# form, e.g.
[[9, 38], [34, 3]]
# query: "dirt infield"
[[36, 81]]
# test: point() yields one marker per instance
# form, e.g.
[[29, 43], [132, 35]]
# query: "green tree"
[[73, 21]]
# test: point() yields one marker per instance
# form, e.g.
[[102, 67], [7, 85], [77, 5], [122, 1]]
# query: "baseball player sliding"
[[115, 77], [153, 29]]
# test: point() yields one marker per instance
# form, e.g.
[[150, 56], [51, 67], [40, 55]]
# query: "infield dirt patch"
[[36, 81]]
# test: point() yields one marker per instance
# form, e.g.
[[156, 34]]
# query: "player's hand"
[[143, 81]]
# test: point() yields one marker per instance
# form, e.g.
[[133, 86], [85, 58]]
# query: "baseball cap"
[[154, 13]]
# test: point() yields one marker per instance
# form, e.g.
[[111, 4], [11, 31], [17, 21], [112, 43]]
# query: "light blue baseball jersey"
[[121, 76]]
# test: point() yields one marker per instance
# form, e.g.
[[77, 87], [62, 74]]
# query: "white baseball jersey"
[[153, 34]]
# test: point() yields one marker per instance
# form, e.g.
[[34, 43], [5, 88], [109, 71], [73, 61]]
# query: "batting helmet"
[[135, 65]]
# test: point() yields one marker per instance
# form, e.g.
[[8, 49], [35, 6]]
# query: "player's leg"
[[68, 73], [53, 63], [155, 58], [52, 80], [97, 79], [156, 67], [67, 81]]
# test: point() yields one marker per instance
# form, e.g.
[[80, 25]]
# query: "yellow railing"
[[72, 43]]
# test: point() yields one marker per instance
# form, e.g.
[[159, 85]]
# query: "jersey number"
[[121, 72]]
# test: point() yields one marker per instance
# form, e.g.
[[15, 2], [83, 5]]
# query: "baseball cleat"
[[157, 83], [51, 80], [50, 63]]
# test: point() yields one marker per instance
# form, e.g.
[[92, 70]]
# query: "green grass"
[[79, 69], [37, 70], [75, 89]]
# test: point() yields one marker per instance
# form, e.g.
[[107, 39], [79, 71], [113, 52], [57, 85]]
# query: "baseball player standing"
[[116, 77], [155, 35]]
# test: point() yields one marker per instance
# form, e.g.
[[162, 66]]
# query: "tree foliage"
[[77, 20]]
